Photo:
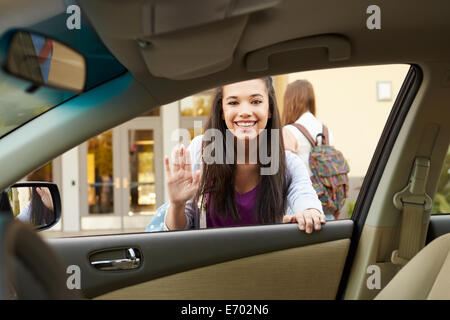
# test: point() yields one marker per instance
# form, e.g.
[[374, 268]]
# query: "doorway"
[[121, 176]]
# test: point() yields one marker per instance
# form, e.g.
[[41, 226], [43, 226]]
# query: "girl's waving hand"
[[181, 183]]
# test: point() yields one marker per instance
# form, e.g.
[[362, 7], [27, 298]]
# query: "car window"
[[18, 106], [121, 172], [441, 201]]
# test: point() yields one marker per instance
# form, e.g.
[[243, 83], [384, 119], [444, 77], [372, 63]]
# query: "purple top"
[[245, 203]]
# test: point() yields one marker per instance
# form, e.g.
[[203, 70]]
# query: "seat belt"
[[413, 202]]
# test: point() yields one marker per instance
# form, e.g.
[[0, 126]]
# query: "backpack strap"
[[324, 135], [305, 133], [326, 140]]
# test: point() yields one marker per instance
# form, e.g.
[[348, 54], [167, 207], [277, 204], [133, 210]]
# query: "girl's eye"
[[233, 103], [256, 101]]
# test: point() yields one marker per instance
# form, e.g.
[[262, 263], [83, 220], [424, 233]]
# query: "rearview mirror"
[[35, 203], [45, 62]]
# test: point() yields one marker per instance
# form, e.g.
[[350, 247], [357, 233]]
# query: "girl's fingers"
[[196, 179], [176, 160], [187, 158], [308, 222], [167, 166], [39, 191], [287, 218], [182, 158], [301, 221], [316, 221], [321, 218], [43, 193]]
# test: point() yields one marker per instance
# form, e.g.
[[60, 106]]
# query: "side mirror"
[[35, 203], [45, 62]]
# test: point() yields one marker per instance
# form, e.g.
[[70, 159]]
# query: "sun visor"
[[194, 52], [177, 39], [163, 16], [189, 39]]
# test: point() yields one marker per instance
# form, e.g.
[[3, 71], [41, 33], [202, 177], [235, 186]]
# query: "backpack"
[[330, 172]]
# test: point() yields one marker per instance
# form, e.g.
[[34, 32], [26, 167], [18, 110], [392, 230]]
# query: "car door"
[[258, 262]]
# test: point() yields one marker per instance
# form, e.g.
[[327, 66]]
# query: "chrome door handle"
[[131, 262]]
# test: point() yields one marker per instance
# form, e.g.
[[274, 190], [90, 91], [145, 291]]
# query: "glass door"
[[100, 174], [142, 171], [100, 182]]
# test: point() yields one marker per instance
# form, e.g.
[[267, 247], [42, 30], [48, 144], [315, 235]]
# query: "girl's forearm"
[[176, 217]]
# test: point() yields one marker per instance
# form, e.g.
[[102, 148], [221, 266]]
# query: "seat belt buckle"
[[415, 192], [396, 259], [412, 196]]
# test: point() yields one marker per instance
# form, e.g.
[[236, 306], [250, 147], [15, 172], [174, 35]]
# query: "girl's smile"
[[245, 124], [244, 128]]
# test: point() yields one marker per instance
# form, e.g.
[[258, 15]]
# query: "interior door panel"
[[226, 263], [309, 272]]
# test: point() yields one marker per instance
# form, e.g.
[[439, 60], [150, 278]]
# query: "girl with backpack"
[[229, 192], [307, 137]]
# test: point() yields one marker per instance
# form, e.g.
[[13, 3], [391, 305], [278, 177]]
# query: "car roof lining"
[[12, 12], [287, 21]]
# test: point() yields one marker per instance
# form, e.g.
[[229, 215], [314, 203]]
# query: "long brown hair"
[[298, 99], [218, 180]]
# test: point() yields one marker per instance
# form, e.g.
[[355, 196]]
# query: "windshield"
[[17, 106]]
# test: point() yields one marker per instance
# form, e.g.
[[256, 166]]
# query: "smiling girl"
[[236, 193]]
